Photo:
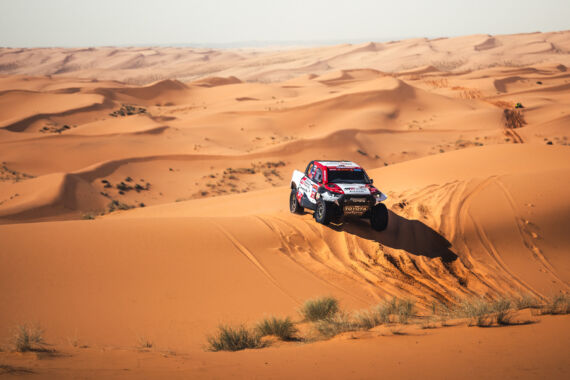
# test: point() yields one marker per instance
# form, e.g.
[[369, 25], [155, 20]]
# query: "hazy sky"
[[28, 23]]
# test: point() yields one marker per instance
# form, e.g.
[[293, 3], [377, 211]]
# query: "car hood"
[[354, 188]]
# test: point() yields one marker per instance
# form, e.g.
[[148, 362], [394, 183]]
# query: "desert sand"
[[143, 196]]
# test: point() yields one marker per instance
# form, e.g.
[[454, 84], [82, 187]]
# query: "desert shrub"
[[559, 304], [335, 325], [428, 323], [234, 339], [145, 342], [526, 301], [477, 310], [28, 338], [441, 311], [282, 328], [405, 310], [402, 309], [116, 205], [319, 309], [384, 311], [502, 310], [367, 319]]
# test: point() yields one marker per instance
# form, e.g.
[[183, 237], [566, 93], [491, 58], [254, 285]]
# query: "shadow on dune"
[[409, 235]]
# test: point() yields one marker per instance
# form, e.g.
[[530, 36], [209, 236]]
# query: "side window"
[[311, 174], [309, 169], [318, 176]]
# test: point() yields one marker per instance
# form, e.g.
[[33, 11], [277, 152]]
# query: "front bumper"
[[355, 204]]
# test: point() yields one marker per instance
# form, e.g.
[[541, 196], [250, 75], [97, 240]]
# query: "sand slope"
[[231, 261]]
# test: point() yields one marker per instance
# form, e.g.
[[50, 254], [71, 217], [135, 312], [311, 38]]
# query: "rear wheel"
[[294, 205], [379, 217], [323, 212]]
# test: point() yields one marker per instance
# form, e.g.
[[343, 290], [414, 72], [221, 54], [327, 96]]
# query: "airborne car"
[[334, 189]]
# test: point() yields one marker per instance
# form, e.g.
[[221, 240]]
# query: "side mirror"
[[371, 181]]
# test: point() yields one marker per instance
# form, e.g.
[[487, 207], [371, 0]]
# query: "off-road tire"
[[323, 212], [379, 217], [294, 205]]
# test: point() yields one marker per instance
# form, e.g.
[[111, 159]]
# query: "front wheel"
[[294, 205], [379, 217], [323, 212]]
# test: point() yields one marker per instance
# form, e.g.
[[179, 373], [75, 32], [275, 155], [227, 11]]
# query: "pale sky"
[[39, 23]]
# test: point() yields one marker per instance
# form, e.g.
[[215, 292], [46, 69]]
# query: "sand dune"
[[146, 65], [183, 159]]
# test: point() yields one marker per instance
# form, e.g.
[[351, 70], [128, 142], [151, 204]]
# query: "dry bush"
[[145, 342], [477, 310], [503, 311], [559, 304], [403, 309], [442, 312], [284, 329], [335, 325], [526, 301], [513, 118], [28, 337], [319, 309], [367, 319], [234, 339]]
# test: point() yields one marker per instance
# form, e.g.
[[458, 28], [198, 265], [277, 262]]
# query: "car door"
[[305, 184], [316, 178]]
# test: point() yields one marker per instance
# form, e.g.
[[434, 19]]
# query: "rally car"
[[335, 189]]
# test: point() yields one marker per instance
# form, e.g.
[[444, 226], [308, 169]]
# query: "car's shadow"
[[410, 235]]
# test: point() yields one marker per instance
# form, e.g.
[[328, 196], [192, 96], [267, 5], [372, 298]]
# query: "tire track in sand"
[[536, 253], [251, 258], [287, 247], [483, 238]]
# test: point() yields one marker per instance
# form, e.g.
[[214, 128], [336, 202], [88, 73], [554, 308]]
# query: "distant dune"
[[143, 197], [143, 65]]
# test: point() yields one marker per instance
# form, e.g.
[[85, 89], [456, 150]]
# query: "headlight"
[[330, 196]]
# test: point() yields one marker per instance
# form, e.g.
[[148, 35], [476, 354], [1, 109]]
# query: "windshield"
[[348, 176]]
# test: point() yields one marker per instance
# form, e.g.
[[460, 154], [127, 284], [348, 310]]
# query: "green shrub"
[[234, 339], [319, 309], [282, 328]]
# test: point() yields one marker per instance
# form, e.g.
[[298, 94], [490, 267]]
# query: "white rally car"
[[334, 189]]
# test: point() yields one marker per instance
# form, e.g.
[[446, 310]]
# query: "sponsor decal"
[[351, 210]]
